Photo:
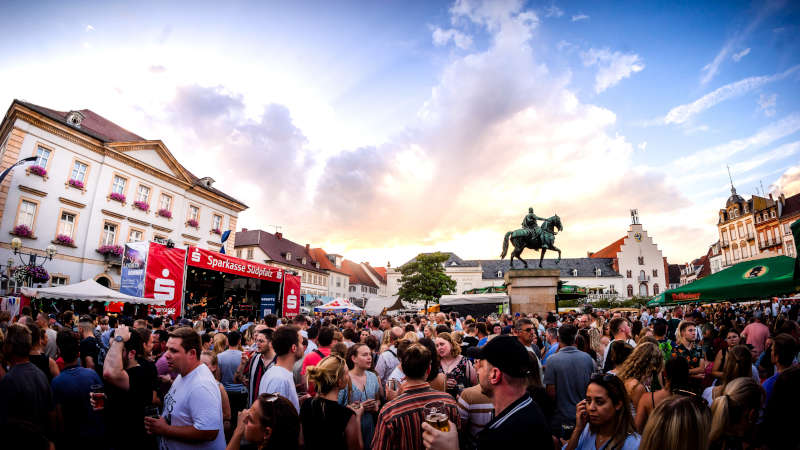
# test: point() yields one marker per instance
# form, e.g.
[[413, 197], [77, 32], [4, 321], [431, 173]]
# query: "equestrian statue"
[[534, 237]]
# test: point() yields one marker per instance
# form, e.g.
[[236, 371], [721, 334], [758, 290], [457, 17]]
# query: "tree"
[[424, 278]]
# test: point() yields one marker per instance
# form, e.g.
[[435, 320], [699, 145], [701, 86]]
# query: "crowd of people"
[[695, 377]]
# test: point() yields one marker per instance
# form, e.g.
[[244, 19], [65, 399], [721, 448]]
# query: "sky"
[[379, 130]]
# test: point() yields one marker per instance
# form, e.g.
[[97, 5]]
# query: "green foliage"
[[425, 279]]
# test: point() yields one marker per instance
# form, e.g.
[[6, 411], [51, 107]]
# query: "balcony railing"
[[725, 244], [643, 278]]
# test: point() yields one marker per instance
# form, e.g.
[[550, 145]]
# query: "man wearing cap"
[[503, 366]]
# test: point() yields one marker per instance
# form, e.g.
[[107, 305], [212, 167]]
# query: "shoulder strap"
[[318, 352], [653, 399], [392, 352]]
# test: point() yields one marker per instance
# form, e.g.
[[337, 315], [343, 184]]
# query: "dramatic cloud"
[[738, 56], [579, 17], [788, 183], [766, 103], [612, 66], [681, 114], [442, 37]]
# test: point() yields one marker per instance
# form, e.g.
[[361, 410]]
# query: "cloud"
[[612, 66], [766, 103], [553, 11], [738, 56], [579, 17], [642, 145], [156, 68], [788, 183], [681, 114], [89, 28], [442, 37]]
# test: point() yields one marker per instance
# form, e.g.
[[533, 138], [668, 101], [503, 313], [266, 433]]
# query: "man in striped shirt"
[[400, 421]]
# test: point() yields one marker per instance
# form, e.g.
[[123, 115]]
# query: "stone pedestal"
[[532, 290]]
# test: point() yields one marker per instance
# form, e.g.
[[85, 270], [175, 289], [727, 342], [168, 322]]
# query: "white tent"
[[89, 291], [338, 305], [472, 299]]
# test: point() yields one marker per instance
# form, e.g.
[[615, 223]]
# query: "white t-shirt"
[[630, 342], [278, 380], [194, 400]]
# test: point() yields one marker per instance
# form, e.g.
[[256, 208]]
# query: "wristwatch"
[[118, 339]]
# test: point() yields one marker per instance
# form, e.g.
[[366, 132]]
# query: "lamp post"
[[33, 258], [18, 163]]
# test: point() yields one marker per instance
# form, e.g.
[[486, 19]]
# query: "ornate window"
[[641, 260], [118, 185], [109, 236], [630, 291], [66, 224], [42, 156], [79, 172], [656, 290], [629, 274]]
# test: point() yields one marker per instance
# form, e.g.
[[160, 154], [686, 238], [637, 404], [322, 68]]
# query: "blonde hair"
[[740, 395], [327, 373], [679, 333], [677, 422], [645, 360], [212, 355], [455, 349], [220, 343], [411, 336]]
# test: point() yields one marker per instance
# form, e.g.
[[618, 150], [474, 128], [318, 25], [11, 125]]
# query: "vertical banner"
[[291, 295], [134, 263], [267, 305], [164, 277]]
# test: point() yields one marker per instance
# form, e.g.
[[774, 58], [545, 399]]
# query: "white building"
[[96, 184], [338, 279]]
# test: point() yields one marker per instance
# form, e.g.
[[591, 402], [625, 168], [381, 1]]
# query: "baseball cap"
[[507, 354]]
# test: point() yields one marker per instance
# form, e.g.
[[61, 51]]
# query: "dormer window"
[[288, 256], [316, 265], [75, 118], [574, 272], [499, 274], [453, 264], [597, 271], [303, 260]]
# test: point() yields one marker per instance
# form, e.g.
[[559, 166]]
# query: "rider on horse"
[[529, 223]]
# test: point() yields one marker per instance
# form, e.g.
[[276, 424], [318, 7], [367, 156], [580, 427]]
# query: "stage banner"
[[164, 280], [206, 259], [291, 295], [134, 264], [267, 305]]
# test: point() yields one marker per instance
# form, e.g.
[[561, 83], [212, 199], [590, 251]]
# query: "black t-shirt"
[[522, 422], [90, 347], [25, 396], [125, 409], [672, 325], [469, 341], [324, 422]]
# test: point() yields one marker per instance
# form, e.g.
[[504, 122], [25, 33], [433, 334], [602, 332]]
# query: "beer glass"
[[435, 413]]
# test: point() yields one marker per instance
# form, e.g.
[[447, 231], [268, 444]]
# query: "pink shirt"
[[756, 334]]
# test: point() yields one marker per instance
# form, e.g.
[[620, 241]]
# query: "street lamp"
[[18, 163]]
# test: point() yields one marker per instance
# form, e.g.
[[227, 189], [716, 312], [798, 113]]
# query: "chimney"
[[278, 234], [308, 248], [244, 230], [770, 196], [589, 254]]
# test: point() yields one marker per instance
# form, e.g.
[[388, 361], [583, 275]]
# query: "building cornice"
[[32, 191], [72, 203]]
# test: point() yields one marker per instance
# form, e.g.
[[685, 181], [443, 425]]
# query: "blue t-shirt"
[[587, 441], [229, 361], [71, 390], [769, 384], [482, 342]]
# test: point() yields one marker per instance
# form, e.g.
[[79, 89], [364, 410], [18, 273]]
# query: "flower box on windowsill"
[[165, 213], [77, 184], [39, 171], [117, 197], [216, 231], [142, 206], [193, 223], [111, 253], [64, 240], [23, 231]]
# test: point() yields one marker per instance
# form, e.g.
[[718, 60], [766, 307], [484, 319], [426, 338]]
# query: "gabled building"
[[361, 286], [696, 269], [674, 276], [790, 213], [96, 185], [276, 250], [338, 279]]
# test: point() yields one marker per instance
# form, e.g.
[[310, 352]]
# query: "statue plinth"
[[532, 290]]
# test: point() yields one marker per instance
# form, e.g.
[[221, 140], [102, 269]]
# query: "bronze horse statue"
[[541, 238]]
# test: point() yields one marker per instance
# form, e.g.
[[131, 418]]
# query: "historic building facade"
[[95, 186]]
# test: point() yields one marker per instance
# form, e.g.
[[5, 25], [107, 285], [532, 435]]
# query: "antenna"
[[277, 227], [762, 188], [729, 176]]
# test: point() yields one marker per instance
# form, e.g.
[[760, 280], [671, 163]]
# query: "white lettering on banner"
[[196, 256], [164, 288], [291, 300]]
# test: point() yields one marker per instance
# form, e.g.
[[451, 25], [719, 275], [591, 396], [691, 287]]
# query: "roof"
[[674, 274], [375, 273], [320, 256], [585, 266], [610, 251], [276, 247], [791, 206], [357, 273], [381, 271], [93, 124], [734, 198], [452, 261]]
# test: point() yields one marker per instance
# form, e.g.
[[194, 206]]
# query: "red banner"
[[223, 263], [164, 277], [291, 296]]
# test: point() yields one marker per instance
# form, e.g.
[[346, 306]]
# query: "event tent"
[[338, 305], [748, 280], [478, 304], [87, 291]]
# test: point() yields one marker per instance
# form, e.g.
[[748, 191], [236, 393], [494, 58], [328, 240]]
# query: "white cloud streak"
[[89, 28], [579, 17], [766, 103], [681, 114], [443, 37], [612, 66], [553, 11], [736, 57]]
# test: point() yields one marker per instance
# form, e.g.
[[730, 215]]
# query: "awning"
[[471, 299], [338, 305], [87, 291]]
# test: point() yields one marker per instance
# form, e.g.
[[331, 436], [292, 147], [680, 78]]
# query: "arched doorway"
[[643, 290], [103, 280], [656, 289], [630, 291]]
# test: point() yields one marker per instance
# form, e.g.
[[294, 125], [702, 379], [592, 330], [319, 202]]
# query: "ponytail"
[[719, 417], [741, 396]]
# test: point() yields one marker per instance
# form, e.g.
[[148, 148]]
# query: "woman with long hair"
[[618, 352], [638, 370], [210, 360], [675, 381], [734, 414], [457, 369], [325, 423], [732, 339], [37, 357], [364, 388], [271, 423], [685, 337], [603, 420], [436, 378], [738, 363], [678, 422]]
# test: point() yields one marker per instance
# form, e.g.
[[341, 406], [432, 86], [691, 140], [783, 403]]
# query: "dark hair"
[[190, 340], [409, 327], [325, 336], [614, 324], [784, 347], [435, 364], [566, 334], [618, 352], [349, 334], [234, 337], [660, 328], [280, 416], [442, 329], [68, 345], [283, 338], [205, 338], [416, 361], [157, 322], [163, 335], [676, 370], [36, 333], [351, 352], [272, 320], [781, 411], [615, 389], [313, 332], [534, 377], [18, 340], [481, 326], [144, 333], [373, 343], [136, 343], [636, 328]]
